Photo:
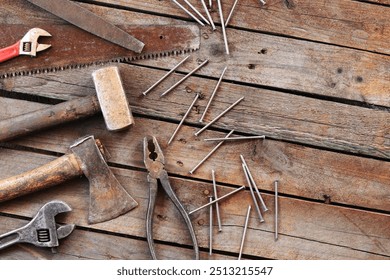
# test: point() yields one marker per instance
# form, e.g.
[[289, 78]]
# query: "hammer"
[[110, 99], [108, 198]]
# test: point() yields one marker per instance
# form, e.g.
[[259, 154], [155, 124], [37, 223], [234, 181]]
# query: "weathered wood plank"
[[260, 59], [341, 22], [82, 244], [307, 230], [302, 171], [278, 115]]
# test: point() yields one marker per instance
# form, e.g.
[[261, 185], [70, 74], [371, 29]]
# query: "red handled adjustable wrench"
[[28, 45]]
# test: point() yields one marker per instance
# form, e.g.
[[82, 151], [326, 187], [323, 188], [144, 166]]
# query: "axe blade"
[[108, 198]]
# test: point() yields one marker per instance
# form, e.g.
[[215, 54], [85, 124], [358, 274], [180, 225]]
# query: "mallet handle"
[[50, 174], [47, 117]]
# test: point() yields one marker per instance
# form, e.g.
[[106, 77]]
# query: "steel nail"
[[211, 226], [253, 194], [213, 94], [216, 204], [196, 11], [223, 26], [219, 116], [165, 76], [254, 184], [185, 77], [244, 232], [235, 138], [184, 117], [208, 14], [231, 13], [276, 210], [210, 153], [188, 12], [216, 200]]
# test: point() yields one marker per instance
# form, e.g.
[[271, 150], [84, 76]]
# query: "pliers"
[[154, 161], [28, 45]]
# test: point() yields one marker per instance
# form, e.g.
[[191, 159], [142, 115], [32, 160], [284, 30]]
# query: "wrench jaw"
[[29, 43], [43, 231]]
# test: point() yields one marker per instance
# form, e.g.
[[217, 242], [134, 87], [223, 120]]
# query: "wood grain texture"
[[277, 115], [340, 22], [308, 230], [259, 59]]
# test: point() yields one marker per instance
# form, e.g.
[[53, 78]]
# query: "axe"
[[110, 100], [108, 199]]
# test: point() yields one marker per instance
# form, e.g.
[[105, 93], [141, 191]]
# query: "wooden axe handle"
[[50, 116], [50, 174]]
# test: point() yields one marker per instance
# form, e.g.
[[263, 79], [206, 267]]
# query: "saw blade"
[[72, 47]]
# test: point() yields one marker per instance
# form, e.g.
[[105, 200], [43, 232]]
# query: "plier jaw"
[[153, 157]]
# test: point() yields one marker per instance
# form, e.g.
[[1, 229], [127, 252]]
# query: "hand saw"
[[72, 47]]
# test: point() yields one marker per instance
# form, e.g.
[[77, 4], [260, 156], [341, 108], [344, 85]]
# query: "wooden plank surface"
[[308, 230], [315, 77]]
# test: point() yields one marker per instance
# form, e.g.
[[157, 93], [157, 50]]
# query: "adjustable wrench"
[[28, 45], [42, 230]]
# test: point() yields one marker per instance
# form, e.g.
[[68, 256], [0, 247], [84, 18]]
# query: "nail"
[[235, 138], [213, 94], [263, 2], [196, 11], [219, 116], [216, 200], [216, 204], [254, 185], [211, 4], [223, 26], [210, 153], [211, 226], [185, 77], [188, 12], [231, 13], [276, 210], [184, 117], [208, 14], [253, 195], [165, 76], [244, 232]]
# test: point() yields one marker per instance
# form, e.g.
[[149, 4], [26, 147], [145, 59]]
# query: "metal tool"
[[219, 116], [74, 48], [108, 199], [244, 231], [88, 21], [216, 204], [184, 117], [188, 12], [223, 27], [216, 200], [253, 183], [213, 94], [185, 77], [210, 153], [263, 2], [42, 230], [28, 45], [165, 76], [235, 138], [154, 161], [110, 100]]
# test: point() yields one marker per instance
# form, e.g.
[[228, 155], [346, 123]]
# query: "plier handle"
[[154, 162]]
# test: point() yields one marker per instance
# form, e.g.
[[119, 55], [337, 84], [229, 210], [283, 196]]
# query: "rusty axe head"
[[108, 198], [112, 98]]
